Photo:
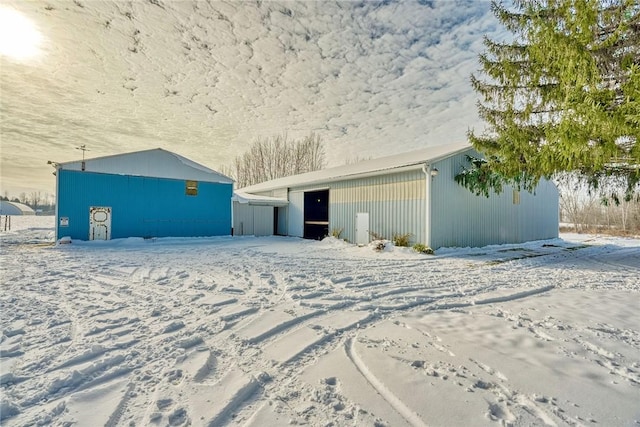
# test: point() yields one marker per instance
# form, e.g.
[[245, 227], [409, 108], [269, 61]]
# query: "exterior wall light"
[[434, 172]]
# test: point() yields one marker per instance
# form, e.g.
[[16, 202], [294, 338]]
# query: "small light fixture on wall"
[[54, 164], [434, 172]]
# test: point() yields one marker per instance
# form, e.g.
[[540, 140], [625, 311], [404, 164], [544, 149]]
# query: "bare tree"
[[35, 199], [277, 157], [590, 212], [356, 159]]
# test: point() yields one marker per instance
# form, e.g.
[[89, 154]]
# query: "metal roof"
[[15, 208], [252, 199], [156, 163], [380, 166]]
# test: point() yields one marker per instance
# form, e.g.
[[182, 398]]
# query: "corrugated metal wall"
[[263, 221], [285, 227], [141, 206], [395, 204], [242, 219], [251, 220], [295, 213], [459, 218], [283, 213]]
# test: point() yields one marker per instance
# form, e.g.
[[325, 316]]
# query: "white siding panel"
[[460, 218], [262, 220], [280, 193], [242, 219], [296, 213], [395, 204], [282, 220], [250, 220]]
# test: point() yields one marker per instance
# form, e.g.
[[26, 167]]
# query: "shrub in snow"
[[401, 239], [381, 245], [419, 247], [376, 236]]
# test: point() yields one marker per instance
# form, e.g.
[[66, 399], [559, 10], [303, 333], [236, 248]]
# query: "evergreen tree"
[[562, 95]]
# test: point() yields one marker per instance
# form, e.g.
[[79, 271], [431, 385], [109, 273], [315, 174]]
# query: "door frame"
[[94, 222]]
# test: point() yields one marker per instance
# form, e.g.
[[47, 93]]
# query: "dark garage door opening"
[[316, 214]]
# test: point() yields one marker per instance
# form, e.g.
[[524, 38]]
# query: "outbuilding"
[[151, 193], [14, 208], [258, 215], [413, 193]]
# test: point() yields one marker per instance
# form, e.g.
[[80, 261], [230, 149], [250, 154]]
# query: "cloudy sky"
[[206, 78]]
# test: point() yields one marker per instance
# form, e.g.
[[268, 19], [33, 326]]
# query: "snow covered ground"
[[282, 331]]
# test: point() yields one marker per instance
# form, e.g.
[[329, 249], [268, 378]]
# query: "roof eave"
[[358, 175]]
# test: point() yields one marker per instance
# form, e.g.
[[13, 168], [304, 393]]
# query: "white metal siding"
[[242, 219], [280, 193], [460, 218], [262, 220], [282, 220], [250, 220], [395, 204], [296, 213], [540, 216]]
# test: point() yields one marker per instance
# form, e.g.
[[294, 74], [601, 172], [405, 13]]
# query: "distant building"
[[14, 208], [152, 193], [258, 215], [412, 193]]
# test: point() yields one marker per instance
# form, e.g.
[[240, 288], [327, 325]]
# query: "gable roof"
[[380, 166], [156, 163]]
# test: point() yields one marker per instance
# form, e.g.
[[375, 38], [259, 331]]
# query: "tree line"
[[585, 211], [276, 157]]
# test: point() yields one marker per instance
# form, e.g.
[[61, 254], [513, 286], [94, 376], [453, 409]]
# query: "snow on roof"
[[15, 208], [381, 165], [157, 163], [251, 199]]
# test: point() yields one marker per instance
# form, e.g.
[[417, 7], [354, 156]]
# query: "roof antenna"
[[84, 148]]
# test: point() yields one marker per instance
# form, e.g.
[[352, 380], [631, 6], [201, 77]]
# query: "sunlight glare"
[[19, 37]]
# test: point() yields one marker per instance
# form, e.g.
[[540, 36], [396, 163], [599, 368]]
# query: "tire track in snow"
[[409, 415], [381, 288]]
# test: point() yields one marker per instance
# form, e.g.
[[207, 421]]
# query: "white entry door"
[[99, 223], [362, 228]]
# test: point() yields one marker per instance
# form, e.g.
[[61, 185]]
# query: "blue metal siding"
[[142, 206]]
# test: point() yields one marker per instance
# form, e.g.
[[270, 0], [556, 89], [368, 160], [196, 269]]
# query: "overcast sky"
[[206, 78]]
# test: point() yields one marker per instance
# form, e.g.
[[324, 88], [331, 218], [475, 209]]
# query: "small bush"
[[376, 236], [419, 247], [401, 239], [336, 232]]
